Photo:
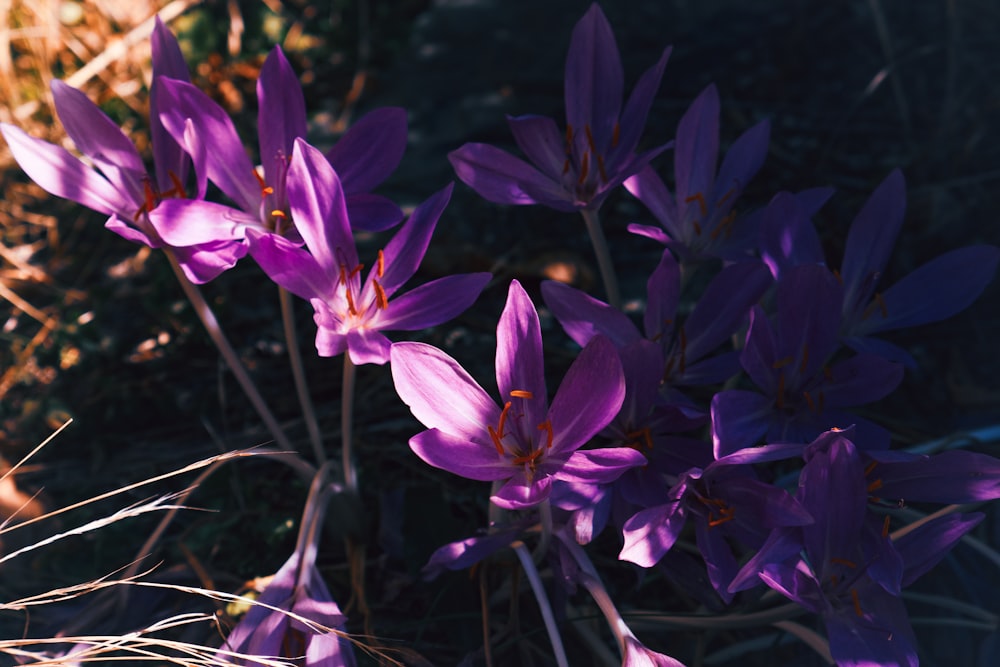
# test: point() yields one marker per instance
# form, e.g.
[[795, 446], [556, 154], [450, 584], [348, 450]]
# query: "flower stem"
[[604, 262], [299, 374], [211, 325], [543, 601], [347, 424]]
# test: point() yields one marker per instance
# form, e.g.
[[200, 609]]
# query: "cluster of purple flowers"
[[782, 344]]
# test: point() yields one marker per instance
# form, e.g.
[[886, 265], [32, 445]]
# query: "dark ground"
[[458, 67]]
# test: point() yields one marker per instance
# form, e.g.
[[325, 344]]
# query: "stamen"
[[350, 301], [885, 526], [265, 189], [697, 227], [381, 301], [641, 438], [356, 270], [781, 363], [725, 514], [278, 213], [380, 266], [565, 167], [700, 198], [178, 190], [495, 437], [870, 467], [600, 167], [840, 278], [881, 305], [569, 139], [527, 458], [805, 358], [521, 393], [547, 427], [857, 602], [843, 561], [584, 169], [503, 418], [809, 400], [590, 139], [874, 486], [616, 134], [342, 278]]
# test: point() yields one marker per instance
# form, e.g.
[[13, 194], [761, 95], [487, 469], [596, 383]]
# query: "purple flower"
[[118, 184], [844, 566], [351, 314], [525, 442], [934, 291], [698, 221], [296, 592], [363, 157], [802, 393], [578, 168]]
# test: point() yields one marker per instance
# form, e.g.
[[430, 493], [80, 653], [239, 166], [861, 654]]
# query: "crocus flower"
[[578, 168], [526, 443], [296, 617], [296, 592], [351, 315], [802, 393], [844, 566], [934, 291], [698, 221], [364, 156], [118, 184]]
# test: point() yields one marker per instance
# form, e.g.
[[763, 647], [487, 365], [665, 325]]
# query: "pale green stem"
[[604, 262], [545, 519], [232, 360], [543, 601], [299, 375], [347, 424]]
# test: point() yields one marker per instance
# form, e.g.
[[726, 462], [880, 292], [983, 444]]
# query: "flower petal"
[[588, 398], [697, 150], [501, 178], [595, 79], [187, 222], [599, 466], [651, 533], [281, 115], [459, 455], [403, 254], [582, 316], [372, 213], [633, 120], [370, 149], [434, 302], [519, 359], [739, 419], [440, 393]]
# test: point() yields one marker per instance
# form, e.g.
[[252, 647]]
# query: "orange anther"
[[547, 427], [843, 561], [874, 486], [885, 526], [521, 393], [178, 190], [857, 602], [805, 358], [495, 437], [584, 169], [381, 301], [569, 139], [616, 134], [781, 363], [700, 198], [590, 138], [356, 270], [503, 418], [278, 213], [527, 458], [350, 301], [380, 266]]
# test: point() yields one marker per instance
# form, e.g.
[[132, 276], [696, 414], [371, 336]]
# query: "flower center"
[[521, 453]]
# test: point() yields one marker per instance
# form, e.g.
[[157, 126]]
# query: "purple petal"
[[594, 78], [168, 157], [788, 237], [739, 419], [582, 316], [697, 149], [187, 222], [633, 119], [367, 346], [938, 289], [541, 141], [872, 236], [663, 290], [202, 263], [808, 319], [588, 398], [861, 379], [317, 204], [289, 266], [226, 164], [501, 178], [434, 302], [519, 359], [649, 188], [372, 213], [651, 533], [281, 116], [760, 353], [460, 455], [405, 251], [370, 149], [60, 173], [743, 160], [100, 139], [130, 233], [637, 655], [466, 553], [881, 636], [599, 466], [520, 494], [330, 342], [724, 306], [649, 232], [440, 393], [924, 547], [952, 477]]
